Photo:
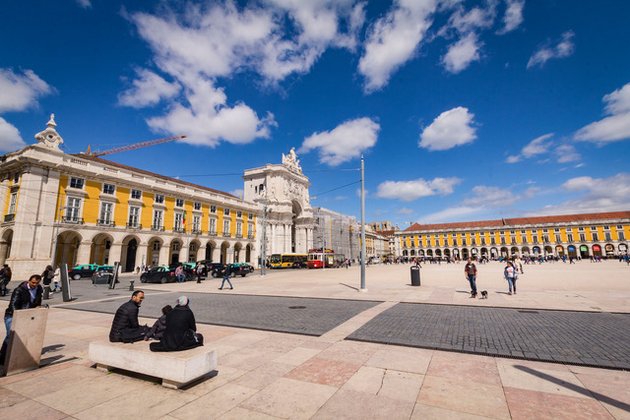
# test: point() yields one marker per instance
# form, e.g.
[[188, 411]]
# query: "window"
[[545, 230], [535, 239], [251, 216], [593, 228], [196, 224], [557, 230], [16, 178], [512, 232], [226, 228], [582, 237], [136, 194], [158, 217], [213, 209], [570, 237], [105, 217], [250, 230], [239, 214], [179, 221], [606, 227], [595, 237], [621, 236], [197, 205], [213, 226], [581, 229], [619, 227], [12, 203], [73, 210], [239, 229], [134, 216], [159, 198], [179, 202], [522, 232], [156, 246], [108, 189], [226, 212], [77, 183], [608, 236], [545, 238]]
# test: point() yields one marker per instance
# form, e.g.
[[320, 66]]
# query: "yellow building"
[[577, 235], [80, 209]]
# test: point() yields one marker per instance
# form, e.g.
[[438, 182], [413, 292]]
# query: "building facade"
[[577, 235], [79, 209]]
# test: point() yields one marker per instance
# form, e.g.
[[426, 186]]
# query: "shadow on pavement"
[[600, 397]]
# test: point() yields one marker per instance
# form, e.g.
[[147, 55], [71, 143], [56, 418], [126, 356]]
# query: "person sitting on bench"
[[125, 326], [181, 329], [158, 328]]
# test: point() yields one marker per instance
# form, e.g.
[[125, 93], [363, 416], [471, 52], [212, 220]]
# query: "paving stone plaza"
[[308, 344]]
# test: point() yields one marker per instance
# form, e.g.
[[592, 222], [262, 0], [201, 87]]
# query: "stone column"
[[115, 253], [216, 254], [142, 255], [164, 253], [201, 253], [83, 253]]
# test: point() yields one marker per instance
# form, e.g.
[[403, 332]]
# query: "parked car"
[[103, 275], [85, 270], [161, 274], [238, 269]]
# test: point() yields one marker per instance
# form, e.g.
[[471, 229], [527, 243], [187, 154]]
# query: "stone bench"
[[176, 369]]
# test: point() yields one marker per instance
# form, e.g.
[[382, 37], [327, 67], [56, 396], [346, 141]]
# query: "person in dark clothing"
[[181, 329], [26, 296], [125, 326], [5, 278], [157, 330], [226, 277]]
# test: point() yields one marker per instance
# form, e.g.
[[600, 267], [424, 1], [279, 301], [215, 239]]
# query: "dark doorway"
[[132, 247]]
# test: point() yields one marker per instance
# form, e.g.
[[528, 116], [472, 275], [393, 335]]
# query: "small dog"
[[484, 294]]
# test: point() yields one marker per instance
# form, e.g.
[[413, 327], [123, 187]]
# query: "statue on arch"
[[291, 160]]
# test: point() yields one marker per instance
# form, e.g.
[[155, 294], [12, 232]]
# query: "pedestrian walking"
[[509, 272], [179, 274], [470, 270], [5, 278], [226, 277]]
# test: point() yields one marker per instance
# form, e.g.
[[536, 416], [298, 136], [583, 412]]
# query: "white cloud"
[[417, 188], [237, 193], [598, 194], [86, 4], [10, 138], [513, 15], [616, 127], [450, 214], [542, 145], [345, 142], [461, 54], [194, 47], [566, 153], [148, 89], [484, 196], [393, 40], [563, 48], [449, 129], [405, 211], [467, 21], [21, 91]]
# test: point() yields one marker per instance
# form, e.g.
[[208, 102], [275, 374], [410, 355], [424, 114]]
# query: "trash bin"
[[415, 275]]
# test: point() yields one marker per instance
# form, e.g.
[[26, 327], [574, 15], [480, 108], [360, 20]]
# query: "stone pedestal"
[[26, 338]]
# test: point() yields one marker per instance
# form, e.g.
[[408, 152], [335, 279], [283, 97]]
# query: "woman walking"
[[510, 275]]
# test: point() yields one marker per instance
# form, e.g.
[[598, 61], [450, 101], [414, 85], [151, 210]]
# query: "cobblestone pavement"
[[283, 314], [582, 338]]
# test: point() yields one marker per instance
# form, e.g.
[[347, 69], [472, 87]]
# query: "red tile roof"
[[532, 220]]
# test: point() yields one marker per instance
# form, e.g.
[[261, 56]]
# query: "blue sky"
[[463, 110]]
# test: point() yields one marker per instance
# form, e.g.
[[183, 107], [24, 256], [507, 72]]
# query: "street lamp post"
[[363, 288]]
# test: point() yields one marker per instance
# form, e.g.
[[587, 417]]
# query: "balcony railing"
[[105, 222], [179, 230], [134, 226], [239, 235], [250, 236], [9, 217], [157, 228], [226, 234], [196, 231], [212, 233], [74, 220]]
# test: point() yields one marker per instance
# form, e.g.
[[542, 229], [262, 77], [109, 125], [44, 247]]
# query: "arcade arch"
[[5, 245], [99, 250], [128, 253]]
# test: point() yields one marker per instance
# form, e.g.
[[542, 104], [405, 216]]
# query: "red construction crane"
[[133, 146]]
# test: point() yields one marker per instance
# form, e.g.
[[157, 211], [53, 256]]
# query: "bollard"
[[46, 294], [131, 285]]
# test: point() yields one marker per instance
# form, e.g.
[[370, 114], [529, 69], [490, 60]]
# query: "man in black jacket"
[[125, 326], [181, 329], [26, 296]]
